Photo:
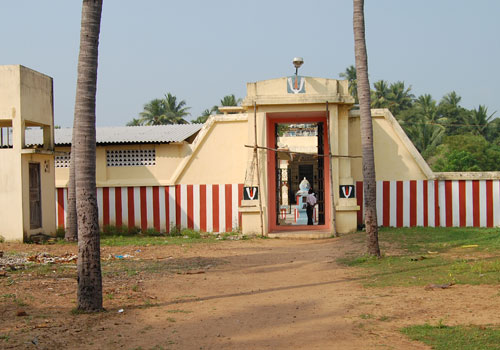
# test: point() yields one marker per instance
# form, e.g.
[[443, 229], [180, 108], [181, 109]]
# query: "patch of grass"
[[424, 239], [416, 266], [170, 319], [442, 337], [176, 311]]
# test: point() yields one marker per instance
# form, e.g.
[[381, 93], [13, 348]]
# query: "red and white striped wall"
[[446, 203], [209, 208]]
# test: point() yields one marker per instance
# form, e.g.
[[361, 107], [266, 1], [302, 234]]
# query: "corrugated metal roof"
[[123, 134]]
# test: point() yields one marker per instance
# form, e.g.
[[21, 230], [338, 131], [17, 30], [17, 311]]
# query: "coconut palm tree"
[[84, 145], [369, 183], [154, 113], [478, 120], [175, 112], [350, 76], [400, 98], [379, 96]]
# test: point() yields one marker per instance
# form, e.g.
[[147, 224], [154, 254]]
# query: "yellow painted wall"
[[393, 160], [25, 100], [11, 218], [168, 158], [221, 156]]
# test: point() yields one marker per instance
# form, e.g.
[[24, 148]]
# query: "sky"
[[202, 50]]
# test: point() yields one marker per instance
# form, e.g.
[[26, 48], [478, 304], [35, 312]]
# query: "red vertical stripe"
[[60, 207], [156, 208], [130, 203], [240, 198], [489, 203], [461, 203], [399, 203], [167, 209], [144, 209], [105, 206], [203, 208], [118, 206], [178, 205], [448, 202], [437, 214], [413, 203], [215, 207], [359, 201], [426, 202], [190, 207], [475, 203], [229, 207], [387, 203]]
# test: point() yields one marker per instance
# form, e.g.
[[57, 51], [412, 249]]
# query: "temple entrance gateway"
[[298, 163], [298, 169]]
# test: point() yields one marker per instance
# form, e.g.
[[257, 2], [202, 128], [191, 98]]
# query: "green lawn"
[[432, 255], [442, 337]]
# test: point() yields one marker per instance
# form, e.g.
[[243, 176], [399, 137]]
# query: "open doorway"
[[299, 164]]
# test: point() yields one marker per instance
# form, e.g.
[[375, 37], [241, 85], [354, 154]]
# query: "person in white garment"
[[310, 203]]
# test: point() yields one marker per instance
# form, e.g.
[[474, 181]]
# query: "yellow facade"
[[27, 203]]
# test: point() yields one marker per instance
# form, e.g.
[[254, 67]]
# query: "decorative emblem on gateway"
[[296, 84], [250, 193], [347, 191]]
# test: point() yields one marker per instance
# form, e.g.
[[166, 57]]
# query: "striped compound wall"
[[445, 203], [209, 208]]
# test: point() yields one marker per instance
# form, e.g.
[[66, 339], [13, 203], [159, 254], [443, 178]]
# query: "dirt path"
[[258, 294]]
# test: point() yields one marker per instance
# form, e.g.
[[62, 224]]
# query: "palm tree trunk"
[[71, 233], [89, 260], [369, 182]]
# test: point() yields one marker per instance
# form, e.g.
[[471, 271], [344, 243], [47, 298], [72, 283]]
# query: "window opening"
[[131, 157]]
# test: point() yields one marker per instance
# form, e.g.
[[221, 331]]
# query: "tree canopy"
[[162, 111]]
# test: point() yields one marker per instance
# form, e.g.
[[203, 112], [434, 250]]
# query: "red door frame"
[[294, 117]]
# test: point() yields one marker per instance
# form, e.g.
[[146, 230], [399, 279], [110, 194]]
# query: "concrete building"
[[205, 176], [27, 172]]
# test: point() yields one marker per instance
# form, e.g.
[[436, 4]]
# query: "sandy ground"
[[257, 294]]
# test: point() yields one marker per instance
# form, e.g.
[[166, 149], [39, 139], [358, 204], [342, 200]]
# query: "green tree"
[[350, 76], [163, 111], [478, 120], [400, 98], [379, 96], [450, 109], [466, 153], [134, 122], [369, 183], [84, 149]]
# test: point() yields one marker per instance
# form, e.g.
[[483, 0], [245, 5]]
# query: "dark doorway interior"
[[297, 162], [35, 196]]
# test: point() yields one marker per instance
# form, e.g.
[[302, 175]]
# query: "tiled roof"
[[123, 134]]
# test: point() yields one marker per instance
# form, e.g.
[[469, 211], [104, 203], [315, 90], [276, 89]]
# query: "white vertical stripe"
[[99, 205], [222, 208], [482, 203], [196, 207], [406, 203], [469, 214], [431, 204], [65, 203], [234, 205], [137, 206], [112, 207], [442, 203], [163, 223], [149, 206], [183, 206], [124, 206], [393, 204], [455, 200], [210, 220], [496, 203], [380, 203], [420, 203], [171, 207]]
